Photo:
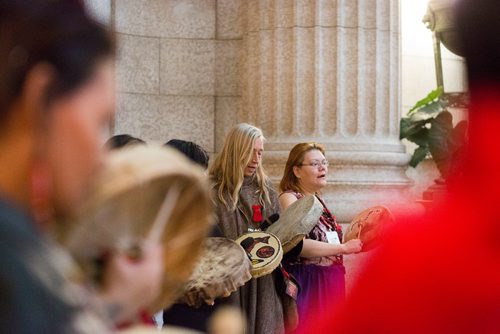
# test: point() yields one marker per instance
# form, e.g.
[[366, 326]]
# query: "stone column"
[[328, 71]]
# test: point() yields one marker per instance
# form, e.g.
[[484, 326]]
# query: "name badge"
[[333, 237]]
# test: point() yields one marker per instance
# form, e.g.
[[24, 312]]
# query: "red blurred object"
[[438, 273]]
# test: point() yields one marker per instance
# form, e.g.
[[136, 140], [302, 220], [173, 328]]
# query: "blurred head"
[[241, 157], [306, 169], [194, 152], [227, 320], [56, 92], [478, 28], [479, 34], [119, 141]]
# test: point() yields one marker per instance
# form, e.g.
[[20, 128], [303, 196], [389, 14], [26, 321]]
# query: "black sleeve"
[[294, 253]]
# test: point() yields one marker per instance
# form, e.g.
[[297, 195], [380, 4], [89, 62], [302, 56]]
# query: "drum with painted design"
[[264, 251]]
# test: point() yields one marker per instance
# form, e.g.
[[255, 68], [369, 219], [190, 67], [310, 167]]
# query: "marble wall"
[[165, 69], [178, 67], [323, 70]]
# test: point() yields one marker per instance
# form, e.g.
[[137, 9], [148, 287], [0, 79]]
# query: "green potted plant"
[[429, 125]]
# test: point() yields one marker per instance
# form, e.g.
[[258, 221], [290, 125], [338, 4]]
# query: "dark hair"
[[58, 33], [191, 150], [479, 35], [119, 141]]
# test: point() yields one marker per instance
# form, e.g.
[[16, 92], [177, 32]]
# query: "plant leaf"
[[429, 98], [432, 108], [439, 144], [421, 137], [409, 127], [422, 116], [419, 155]]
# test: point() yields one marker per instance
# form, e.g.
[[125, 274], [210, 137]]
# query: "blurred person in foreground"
[[56, 98], [227, 320], [440, 273]]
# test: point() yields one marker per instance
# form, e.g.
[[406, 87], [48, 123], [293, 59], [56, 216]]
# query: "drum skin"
[[223, 267], [264, 250], [297, 221], [124, 202], [369, 225]]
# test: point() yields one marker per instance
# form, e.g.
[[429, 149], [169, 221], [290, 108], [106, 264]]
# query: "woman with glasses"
[[319, 269]]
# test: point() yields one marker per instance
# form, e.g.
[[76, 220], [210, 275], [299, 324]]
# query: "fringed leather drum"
[[264, 251], [297, 221], [368, 226], [145, 193], [222, 268]]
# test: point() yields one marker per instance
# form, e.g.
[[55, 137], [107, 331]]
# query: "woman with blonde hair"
[[243, 195], [319, 269]]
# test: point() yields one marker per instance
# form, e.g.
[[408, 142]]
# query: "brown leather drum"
[[222, 268], [123, 211], [297, 221], [368, 226]]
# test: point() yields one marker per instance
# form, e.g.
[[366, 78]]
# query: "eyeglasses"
[[316, 164]]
